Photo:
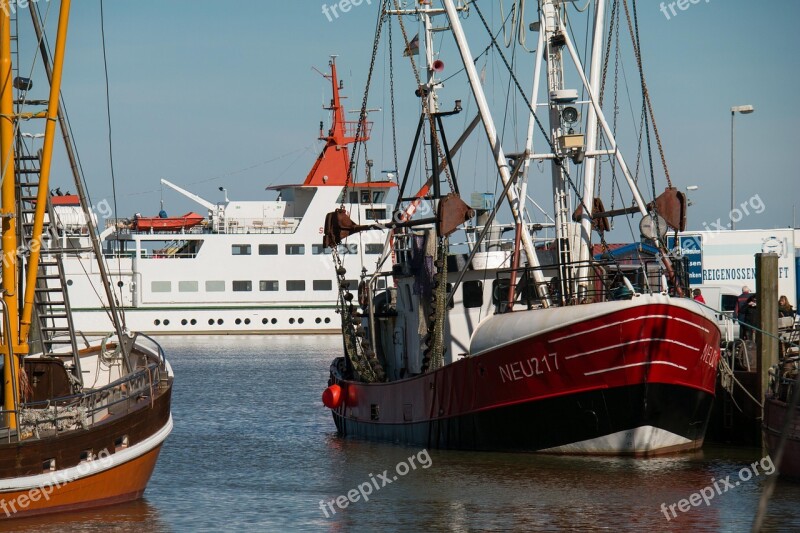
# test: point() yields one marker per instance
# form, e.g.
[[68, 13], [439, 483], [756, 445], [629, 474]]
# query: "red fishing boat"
[[564, 354]]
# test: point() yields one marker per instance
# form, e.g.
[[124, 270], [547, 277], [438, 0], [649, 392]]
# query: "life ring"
[[363, 294]]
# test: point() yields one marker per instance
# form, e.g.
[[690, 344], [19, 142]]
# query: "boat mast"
[[591, 139], [494, 143], [552, 13], [333, 163], [11, 344]]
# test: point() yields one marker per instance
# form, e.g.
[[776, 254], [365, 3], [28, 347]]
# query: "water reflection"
[[139, 515]]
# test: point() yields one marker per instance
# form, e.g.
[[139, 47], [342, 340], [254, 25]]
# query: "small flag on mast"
[[413, 47]]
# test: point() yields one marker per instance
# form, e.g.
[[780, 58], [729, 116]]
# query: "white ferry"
[[246, 266]]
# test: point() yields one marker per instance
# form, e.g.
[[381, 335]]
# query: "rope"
[[110, 148]]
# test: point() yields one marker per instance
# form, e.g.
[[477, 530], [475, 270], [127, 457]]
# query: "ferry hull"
[[623, 382]]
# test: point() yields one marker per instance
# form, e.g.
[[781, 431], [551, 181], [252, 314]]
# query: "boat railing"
[[602, 281], [56, 416], [351, 129]]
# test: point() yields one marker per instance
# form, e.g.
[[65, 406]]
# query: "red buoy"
[[332, 397]]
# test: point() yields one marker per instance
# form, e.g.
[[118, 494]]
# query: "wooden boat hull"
[[114, 474], [774, 417], [622, 382]]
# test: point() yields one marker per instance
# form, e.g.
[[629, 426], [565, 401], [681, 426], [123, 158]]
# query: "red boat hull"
[[774, 417], [623, 382]]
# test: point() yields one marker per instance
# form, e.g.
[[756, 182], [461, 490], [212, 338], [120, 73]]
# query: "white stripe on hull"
[[641, 440]]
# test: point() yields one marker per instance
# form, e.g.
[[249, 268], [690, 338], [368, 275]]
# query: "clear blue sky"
[[202, 89]]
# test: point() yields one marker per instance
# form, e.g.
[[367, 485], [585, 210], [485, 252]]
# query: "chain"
[[391, 98], [425, 108], [362, 117], [434, 352], [645, 92]]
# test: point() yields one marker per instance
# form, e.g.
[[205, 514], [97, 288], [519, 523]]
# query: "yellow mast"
[[44, 174], [8, 211]]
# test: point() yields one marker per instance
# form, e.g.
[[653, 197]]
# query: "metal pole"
[[494, 141], [591, 136], [9, 213], [733, 183]]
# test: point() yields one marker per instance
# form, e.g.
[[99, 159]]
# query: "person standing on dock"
[[741, 309], [698, 296], [785, 309]]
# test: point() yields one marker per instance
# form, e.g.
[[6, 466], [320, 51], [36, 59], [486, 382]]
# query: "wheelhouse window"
[[472, 293], [295, 249], [296, 285], [240, 249], [376, 214], [268, 285], [323, 285], [316, 249], [267, 249], [242, 286]]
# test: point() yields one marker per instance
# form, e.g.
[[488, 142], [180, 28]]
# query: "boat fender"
[[332, 396], [363, 294]]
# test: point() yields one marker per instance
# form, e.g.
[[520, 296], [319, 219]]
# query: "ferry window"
[[353, 197], [270, 285], [377, 197], [242, 286], [267, 249], [215, 286], [295, 249], [373, 248], [327, 251], [316, 249], [161, 286], [473, 294], [188, 286], [381, 283], [323, 285], [351, 284], [240, 249], [352, 248], [296, 285], [376, 214], [365, 197]]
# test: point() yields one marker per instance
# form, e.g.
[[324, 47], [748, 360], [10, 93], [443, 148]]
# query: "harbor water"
[[253, 449]]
